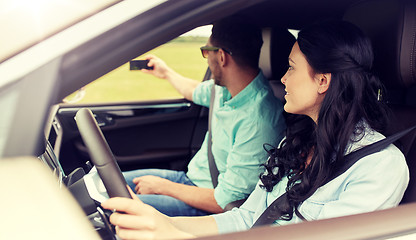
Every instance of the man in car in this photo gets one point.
(245, 116)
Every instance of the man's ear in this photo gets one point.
(323, 81)
(223, 58)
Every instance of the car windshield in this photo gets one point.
(24, 23)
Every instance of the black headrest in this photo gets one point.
(281, 44)
(278, 43)
(391, 26)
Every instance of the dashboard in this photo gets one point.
(84, 182)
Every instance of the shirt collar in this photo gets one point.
(248, 92)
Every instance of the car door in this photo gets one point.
(146, 123)
(152, 134)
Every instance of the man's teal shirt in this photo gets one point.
(240, 127)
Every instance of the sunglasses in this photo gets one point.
(206, 49)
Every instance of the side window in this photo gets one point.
(122, 84)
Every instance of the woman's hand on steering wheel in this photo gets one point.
(136, 220)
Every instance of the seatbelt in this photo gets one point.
(269, 216)
(211, 161)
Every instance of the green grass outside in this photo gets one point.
(122, 84)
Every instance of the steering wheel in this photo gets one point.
(101, 155)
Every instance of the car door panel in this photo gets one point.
(152, 134)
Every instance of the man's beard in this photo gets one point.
(218, 81)
(217, 75)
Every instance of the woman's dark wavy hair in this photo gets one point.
(341, 49)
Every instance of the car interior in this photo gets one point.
(167, 133)
(390, 29)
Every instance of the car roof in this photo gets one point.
(296, 14)
(25, 23)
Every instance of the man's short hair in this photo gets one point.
(240, 37)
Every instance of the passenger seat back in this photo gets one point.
(391, 26)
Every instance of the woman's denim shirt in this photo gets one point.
(375, 182)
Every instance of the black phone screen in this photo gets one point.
(139, 64)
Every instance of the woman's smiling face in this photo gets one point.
(302, 86)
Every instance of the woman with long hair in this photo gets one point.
(334, 105)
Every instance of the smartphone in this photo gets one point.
(139, 64)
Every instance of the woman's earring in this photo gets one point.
(379, 95)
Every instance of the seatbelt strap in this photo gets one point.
(269, 216)
(353, 157)
(211, 161)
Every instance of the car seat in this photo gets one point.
(277, 44)
(391, 26)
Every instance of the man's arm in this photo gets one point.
(185, 86)
(201, 198)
